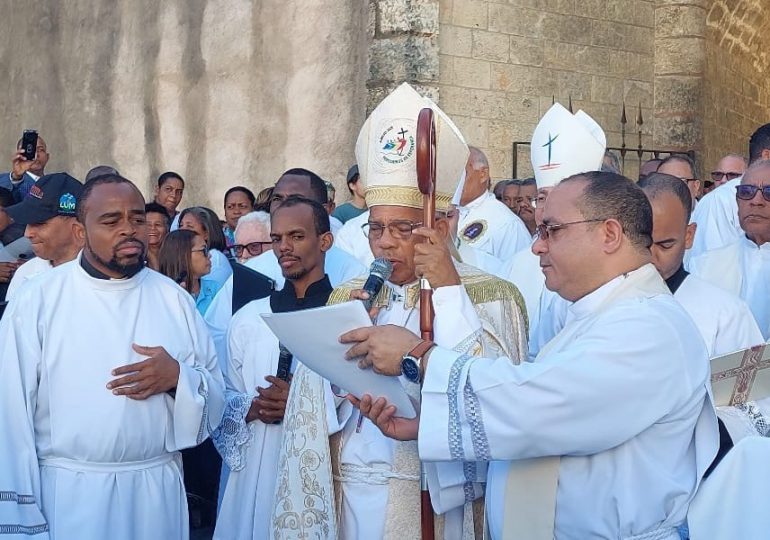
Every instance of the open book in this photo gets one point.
(741, 376)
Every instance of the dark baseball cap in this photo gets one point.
(52, 195)
(352, 172)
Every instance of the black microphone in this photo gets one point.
(284, 363)
(379, 273)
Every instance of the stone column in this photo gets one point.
(403, 48)
(680, 29)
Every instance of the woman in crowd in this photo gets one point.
(184, 257)
(239, 201)
(157, 229)
(168, 194)
(205, 223)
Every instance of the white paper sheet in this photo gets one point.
(312, 335)
(18, 249)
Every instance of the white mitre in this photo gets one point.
(564, 144)
(386, 152)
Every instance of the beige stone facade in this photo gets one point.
(234, 91)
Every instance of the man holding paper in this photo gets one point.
(608, 433)
(250, 433)
(371, 479)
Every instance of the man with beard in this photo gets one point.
(48, 214)
(107, 371)
(250, 435)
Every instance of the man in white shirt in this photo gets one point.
(107, 372)
(616, 406)
(50, 216)
(717, 213)
(485, 222)
(743, 266)
(724, 320)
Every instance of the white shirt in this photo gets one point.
(220, 267)
(723, 319)
(351, 238)
(100, 465)
(334, 224)
(742, 268)
(28, 270)
(717, 217)
(621, 394)
(487, 224)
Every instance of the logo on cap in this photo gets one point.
(36, 192)
(397, 147)
(67, 203)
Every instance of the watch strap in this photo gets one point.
(420, 350)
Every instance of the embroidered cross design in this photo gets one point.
(745, 374)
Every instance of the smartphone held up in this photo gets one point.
(29, 144)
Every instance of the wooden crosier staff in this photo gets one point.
(426, 181)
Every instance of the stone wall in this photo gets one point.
(736, 86)
(225, 92)
(503, 61)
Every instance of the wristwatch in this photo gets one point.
(410, 362)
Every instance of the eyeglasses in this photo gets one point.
(544, 231)
(398, 229)
(204, 250)
(717, 176)
(254, 248)
(746, 192)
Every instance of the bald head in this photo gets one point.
(476, 176)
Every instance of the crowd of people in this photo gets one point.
(565, 393)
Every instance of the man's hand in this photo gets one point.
(383, 416)
(156, 375)
(7, 269)
(270, 404)
(433, 261)
(20, 165)
(380, 347)
(360, 294)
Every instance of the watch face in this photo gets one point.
(410, 369)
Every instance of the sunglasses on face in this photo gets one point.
(717, 176)
(747, 192)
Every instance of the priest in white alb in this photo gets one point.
(486, 223)
(608, 433)
(743, 266)
(107, 372)
(371, 480)
(562, 144)
(724, 320)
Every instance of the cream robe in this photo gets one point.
(502, 234)
(741, 268)
(251, 450)
(376, 478)
(621, 394)
(81, 462)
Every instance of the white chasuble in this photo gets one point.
(374, 481)
(620, 397)
(78, 461)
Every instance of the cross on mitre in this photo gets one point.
(741, 376)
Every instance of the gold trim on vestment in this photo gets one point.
(403, 196)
